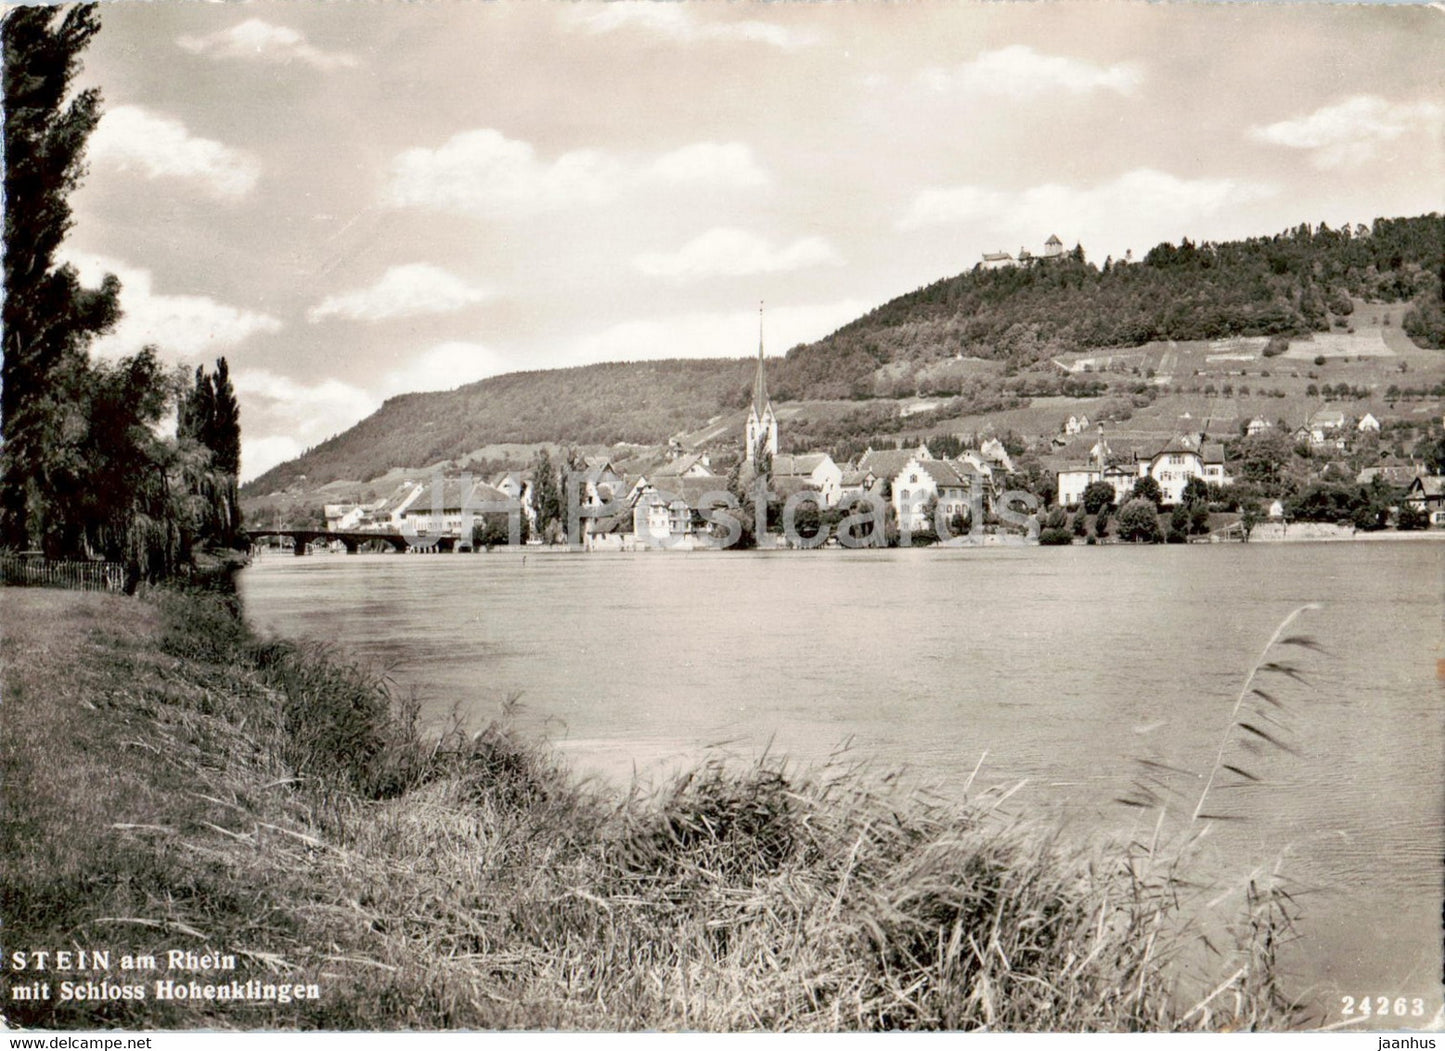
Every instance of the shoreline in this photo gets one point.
(229, 795)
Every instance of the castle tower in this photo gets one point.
(762, 426)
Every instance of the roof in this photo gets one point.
(805, 464)
(689, 490)
(681, 466)
(1053, 240)
(887, 462)
(1395, 474)
(1178, 444)
(1430, 484)
(451, 497)
(1328, 418)
(761, 401)
(945, 475)
(996, 257)
(1212, 452)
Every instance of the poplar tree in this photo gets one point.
(48, 317)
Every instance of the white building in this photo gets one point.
(814, 470)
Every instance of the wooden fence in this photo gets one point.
(83, 576)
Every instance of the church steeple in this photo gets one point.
(761, 401)
(762, 426)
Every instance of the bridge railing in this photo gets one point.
(28, 571)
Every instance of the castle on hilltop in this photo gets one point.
(1053, 249)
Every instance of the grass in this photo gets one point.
(174, 782)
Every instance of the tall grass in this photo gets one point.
(280, 801)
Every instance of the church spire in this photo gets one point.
(760, 381)
(762, 425)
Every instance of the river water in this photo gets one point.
(1056, 668)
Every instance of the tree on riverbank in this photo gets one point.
(84, 473)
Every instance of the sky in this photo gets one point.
(352, 201)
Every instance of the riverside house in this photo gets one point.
(1427, 494)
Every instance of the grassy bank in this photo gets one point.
(173, 783)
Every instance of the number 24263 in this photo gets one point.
(1368, 1007)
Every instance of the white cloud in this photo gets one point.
(713, 335)
(1021, 72)
(730, 163)
(726, 252)
(184, 326)
(259, 455)
(443, 367)
(1134, 209)
(485, 173)
(676, 21)
(264, 42)
(130, 138)
(1350, 133)
(403, 291)
(282, 417)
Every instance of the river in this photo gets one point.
(1048, 670)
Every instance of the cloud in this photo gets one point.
(443, 367)
(1350, 133)
(730, 163)
(485, 173)
(263, 42)
(403, 291)
(130, 138)
(726, 252)
(713, 335)
(259, 455)
(1127, 210)
(281, 417)
(1021, 72)
(674, 21)
(183, 326)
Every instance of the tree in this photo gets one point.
(208, 418)
(1249, 517)
(1147, 488)
(1196, 491)
(1139, 522)
(1080, 523)
(548, 494)
(1411, 518)
(48, 317)
(1101, 524)
(1097, 497)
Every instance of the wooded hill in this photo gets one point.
(1293, 283)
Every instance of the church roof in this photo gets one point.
(761, 400)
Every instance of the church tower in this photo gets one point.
(762, 428)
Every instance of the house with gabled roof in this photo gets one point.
(448, 507)
(922, 480)
(815, 470)
(1427, 493)
(688, 465)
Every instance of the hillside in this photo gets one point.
(978, 343)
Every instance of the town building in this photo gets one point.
(811, 470)
(1427, 493)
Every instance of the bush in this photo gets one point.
(1319, 359)
(1097, 497)
(1148, 489)
(1276, 346)
(1411, 518)
(1139, 522)
(1056, 537)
